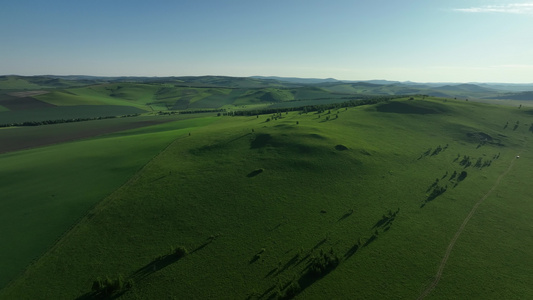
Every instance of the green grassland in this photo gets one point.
(46, 190)
(66, 113)
(24, 137)
(165, 96)
(97, 95)
(351, 203)
(17, 83)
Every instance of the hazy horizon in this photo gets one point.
(281, 77)
(418, 41)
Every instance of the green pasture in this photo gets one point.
(45, 191)
(17, 83)
(166, 96)
(85, 96)
(253, 201)
(300, 103)
(23, 137)
(66, 113)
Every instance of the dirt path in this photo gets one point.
(460, 230)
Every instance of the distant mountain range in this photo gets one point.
(327, 85)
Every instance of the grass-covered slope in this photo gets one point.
(66, 113)
(14, 82)
(360, 202)
(46, 190)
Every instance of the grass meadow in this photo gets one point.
(47, 190)
(350, 203)
(66, 113)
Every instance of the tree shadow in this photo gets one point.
(346, 215)
(316, 269)
(271, 272)
(101, 296)
(155, 265)
(351, 251)
(255, 173)
(260, 141)
(370, 240)
(270, 289)
(319, 244)
(291, 262)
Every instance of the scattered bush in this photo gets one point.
(179, 252)
(292, 291)
(323, 264)
(111, 286)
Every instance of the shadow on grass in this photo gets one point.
(316, 269)
(164, 261)
(95, 295)
(351, 251)
(202, 246)
(255, 173)
(270, 289)
(346, 215)
(271, 272)
(291, 262)
(370, 240)
(383, 222)
(319, 244)
(155, 265)
(260, 141)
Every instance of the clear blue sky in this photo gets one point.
(417, 40)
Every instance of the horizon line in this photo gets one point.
(276, 76)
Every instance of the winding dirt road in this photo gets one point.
(460, 230)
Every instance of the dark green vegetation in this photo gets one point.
(351, 201)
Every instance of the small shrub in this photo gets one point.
(110, 286)
(323, 264)
(292, 291)
(180, 252)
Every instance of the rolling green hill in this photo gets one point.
(47, 190)
(14, 82)
(356, 202)
(515, 96)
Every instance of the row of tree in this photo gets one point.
(59, 121)
(314, 108)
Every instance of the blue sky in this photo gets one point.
(418, 40)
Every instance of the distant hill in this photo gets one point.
(515, 96)
(15, 82)
(195, 92)
(297, 80)
(466, 87)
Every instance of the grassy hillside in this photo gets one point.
(13, 82)
(66, 113)
(359, 202)
(99, 95)
(170, 96)
(46, 190)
